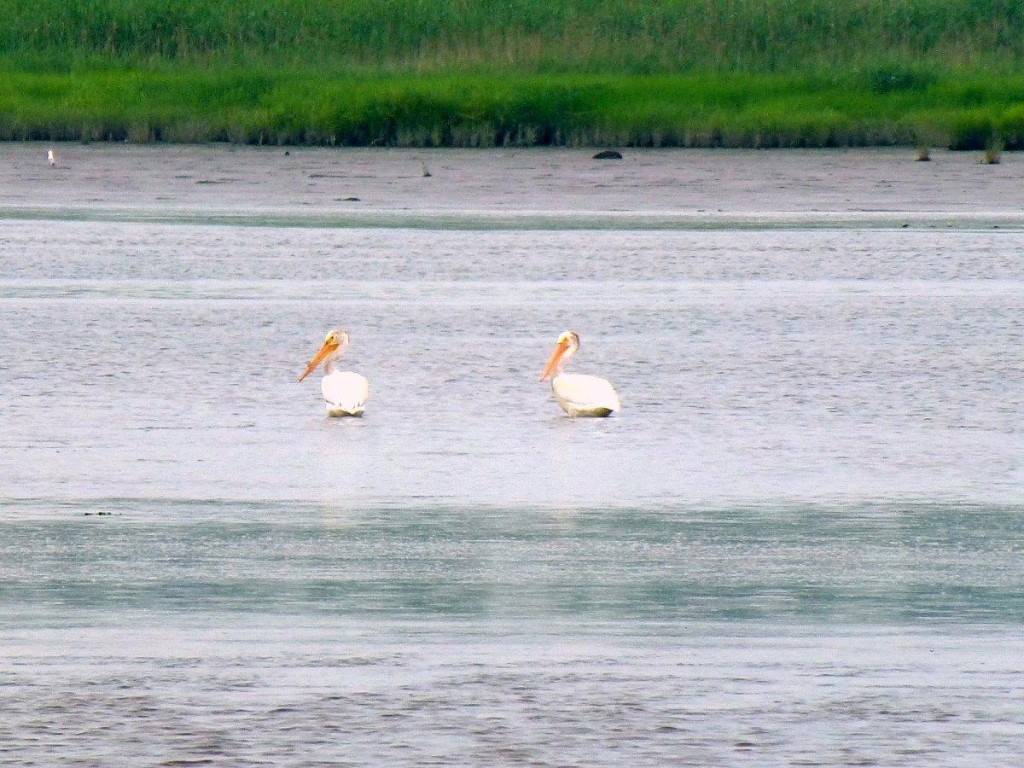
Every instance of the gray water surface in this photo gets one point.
(800, 542)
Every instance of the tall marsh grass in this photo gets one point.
(246, 106)
(595, 36)
(516, 72)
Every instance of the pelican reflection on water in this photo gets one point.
(345, 392)
(578, 394)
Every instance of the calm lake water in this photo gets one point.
(799, 543)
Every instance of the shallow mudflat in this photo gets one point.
(673, 188)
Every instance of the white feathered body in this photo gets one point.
(345, 393)
(582, 395)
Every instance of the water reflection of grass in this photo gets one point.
(519, 72)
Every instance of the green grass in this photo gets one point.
(520, 72)
(486, 110)
(530, 36)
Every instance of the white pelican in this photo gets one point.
(578, 395)
(51, 158)
(345, 392)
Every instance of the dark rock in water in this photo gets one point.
(608, 154)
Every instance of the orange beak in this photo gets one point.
(325, 350)
(553, 360)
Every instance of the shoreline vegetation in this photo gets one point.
(481, 73)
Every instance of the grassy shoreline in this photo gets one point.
(677, 73)
(293, 108)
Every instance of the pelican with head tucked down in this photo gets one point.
(345, 392)
(578, 395)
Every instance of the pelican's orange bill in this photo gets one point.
(553, 360)
(325, 350)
